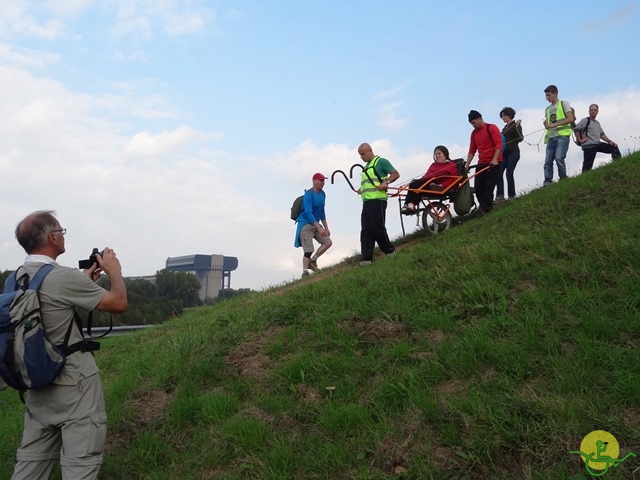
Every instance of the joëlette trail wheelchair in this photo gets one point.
(437, 201)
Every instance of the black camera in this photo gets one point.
(85, 264)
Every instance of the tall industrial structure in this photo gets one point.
(212, 271)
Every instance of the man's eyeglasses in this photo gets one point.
(63, 231)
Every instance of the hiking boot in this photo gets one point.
(365, 262)
(313, 265)
(499, 199)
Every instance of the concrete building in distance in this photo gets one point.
(213, 271)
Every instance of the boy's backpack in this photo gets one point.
(296, 208)
(573, 110)
(28, 359)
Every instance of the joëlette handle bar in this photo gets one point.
(345, 177)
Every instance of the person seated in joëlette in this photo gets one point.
(441, 167)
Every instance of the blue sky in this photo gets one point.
(164, 128)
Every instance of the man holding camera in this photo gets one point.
(66, 422)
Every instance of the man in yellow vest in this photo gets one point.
(377, 174)
(558, 120)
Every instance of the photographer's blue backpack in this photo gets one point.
(28, 359)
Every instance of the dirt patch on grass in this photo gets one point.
(393, 453)
(414, 438)
(434, 337)
(452, 387)
(308, 394)
(150, 406)
(249, 358)
(630, 416)
(258, 414)
(487, 375)
(523, 286)
(379, 330)
(147, 408)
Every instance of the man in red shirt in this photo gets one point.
(486, 139)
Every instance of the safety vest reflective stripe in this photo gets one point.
(368, 188)
(563, 130)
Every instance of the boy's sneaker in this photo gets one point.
(305, 273)
(498, 199)
(365, 262)
(390, 254)
(313, 265)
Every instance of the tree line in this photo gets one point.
(152, 303)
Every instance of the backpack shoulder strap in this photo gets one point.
(489, 133)
(14, 282)
(10, 284)
(38, 278)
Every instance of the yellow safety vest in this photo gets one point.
(563, 130)
(368, 188)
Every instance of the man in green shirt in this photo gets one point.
(377, 174)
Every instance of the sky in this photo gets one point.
(163, 128)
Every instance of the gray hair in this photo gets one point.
(33, 230)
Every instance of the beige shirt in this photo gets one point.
(63, 290)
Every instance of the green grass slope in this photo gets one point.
(487, 352)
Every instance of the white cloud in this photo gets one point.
(67, 8)
(163, 143)
(137, 19)
(186, 23)
(26, 58)
(389, 116)
(382, 94)
(20, 18)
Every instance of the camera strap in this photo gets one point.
(84, 345)
(90, 320)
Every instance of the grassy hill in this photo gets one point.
(487, 352)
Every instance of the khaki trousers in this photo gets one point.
(64, 424)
